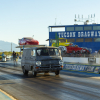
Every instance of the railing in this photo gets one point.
(79, 55)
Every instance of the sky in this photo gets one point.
(25, 18)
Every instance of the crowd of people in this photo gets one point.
(75, 55)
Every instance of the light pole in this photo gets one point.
(11, 46)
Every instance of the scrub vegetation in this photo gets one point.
(8, 53)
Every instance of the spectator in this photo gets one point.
(14, 57)
(96, 53)
(17, 56)
(99, 52)
(2, 54)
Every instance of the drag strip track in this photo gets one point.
(49, 86)
(12, 68)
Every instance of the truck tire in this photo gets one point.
(34, 73)
(57, 72)
(25, 72)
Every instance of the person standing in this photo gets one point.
(3, 56)
(14, 57)
(17, 56)
(96, 53)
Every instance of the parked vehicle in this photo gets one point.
(4, 58)
(62, 42)
(28, 41)
(8, 57)
(41, 59)
(75, 49)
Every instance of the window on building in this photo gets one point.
(87, 27)
(62, 40)
(56, 29)
(79, 39)
(69, 28)
(70, 40)
(53, 41)
(96, 39)
(96, 27)
(88, 39)
(78, 28)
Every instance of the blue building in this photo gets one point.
(82, 35)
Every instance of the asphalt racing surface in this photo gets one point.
(66, 86)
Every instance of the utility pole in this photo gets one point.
(55, 21)
(11, 46)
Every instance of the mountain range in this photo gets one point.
(6, 46)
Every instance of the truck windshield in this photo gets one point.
(48, 52)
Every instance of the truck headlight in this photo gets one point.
(61, 62)
(38, 63)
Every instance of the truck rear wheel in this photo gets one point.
(25, 72)
(57, 72)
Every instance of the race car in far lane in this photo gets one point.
(28, 41)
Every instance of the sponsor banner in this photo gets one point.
(86, 68)
(75, 67)
(90, 68)
(97, 70)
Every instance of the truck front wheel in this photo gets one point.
(57, 72)
(34, 73)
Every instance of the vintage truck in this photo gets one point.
(41, 59)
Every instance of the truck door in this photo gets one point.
(27, 59)
(33, 58)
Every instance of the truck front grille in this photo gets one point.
(50, 66)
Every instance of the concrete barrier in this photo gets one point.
(82, 64)
(79, 60)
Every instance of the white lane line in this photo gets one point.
(8, 95)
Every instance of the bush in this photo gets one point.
(0, 57)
